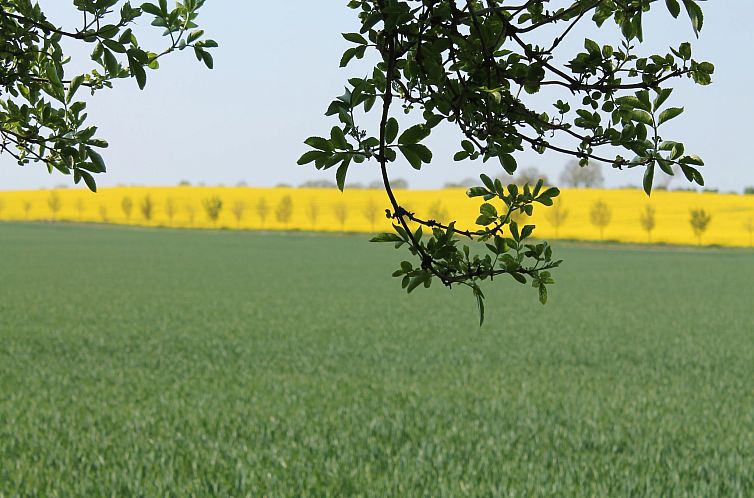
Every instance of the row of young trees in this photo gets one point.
(212, 207)
(600, 215)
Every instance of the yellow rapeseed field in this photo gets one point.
(356, 210)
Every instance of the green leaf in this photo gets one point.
(695, 14)
(673, 7)
(355, 38)
(340, 174)
(642, 117)
(508, 162)
(310, 156)
(479, 303)
(414, 135)
(150, 8)
(386, 237)
(542, 294)
(89, 180)
(662, 96)
(137, 70)
(488, 210)
(111, 63)
(649, 176)
(319, 143)
(337, 138)
(97, 160)
(391, 130)
(669, 114)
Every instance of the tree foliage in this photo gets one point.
(648, 221)
(42, 115)
(471, 65)
(576, 174)
(600, 216)
(699, 221)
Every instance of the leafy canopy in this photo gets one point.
(472, 64)
(42, 117)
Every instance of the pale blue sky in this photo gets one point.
(277, 69)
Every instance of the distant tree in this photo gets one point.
(127, 205)
(212, 207)
(80, 208)
(284, 210)
(699, 221)
(398, 183)
(147, 208)
(190, 213)
(103, 213)
(263, 209)
(341, 214)
(648, 221)
(55, 203)
(438, 212)
(465, 183)
(27, 208)
(241, 183)
(589, 176)
(531, 176)
(370, 212)
(557, 216)
(170, 209)
(318, 184)
(238, 210)
(184, 183)
(313, 213)
(748, 190)
(600, 216)
(749, 227)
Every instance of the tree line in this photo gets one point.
(144, 209)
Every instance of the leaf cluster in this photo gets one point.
(471, 65)
(42, 117)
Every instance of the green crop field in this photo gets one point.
(180, 363)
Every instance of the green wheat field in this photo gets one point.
(159, 363)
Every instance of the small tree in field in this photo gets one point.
(263, 210)
(170, 209)
(749, 227)
(147, 208)
(438, 212)
(212, 207)
(238, 210)
(127, 205)
(27, 208)
(600, 216)
(647, 221)
(557, 216)
(313, 213)
(190, 213)
(55, 203)
(340, 210)
(699, 221)
(371, 212)
(80, 208)
(284, 210)
(103, 213)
